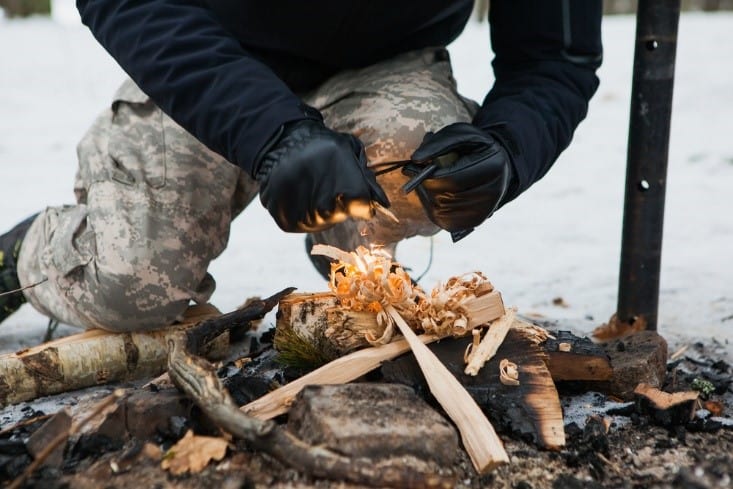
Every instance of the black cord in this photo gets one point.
(430, 260)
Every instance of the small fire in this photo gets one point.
(369, 280)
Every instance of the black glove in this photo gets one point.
(462, 194)
(312, 178)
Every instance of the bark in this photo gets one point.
(91, 358)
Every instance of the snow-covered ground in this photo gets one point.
(560, 239)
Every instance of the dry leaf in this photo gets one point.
(192, 453)
(616, 329)
(151, 451)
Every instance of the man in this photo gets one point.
(326, 108)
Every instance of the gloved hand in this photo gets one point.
(459, 196)
(312, 178)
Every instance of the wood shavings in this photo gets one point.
(445, 312)
(365, 280)
(476, 333)
(369, 281)
(508, 372)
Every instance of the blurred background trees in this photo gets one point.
(24, 8)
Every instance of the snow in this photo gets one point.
(560, 239)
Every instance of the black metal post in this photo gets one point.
(646, 171)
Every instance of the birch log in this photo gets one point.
(91, 358)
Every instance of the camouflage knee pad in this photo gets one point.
(390, 106)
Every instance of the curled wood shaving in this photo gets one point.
(508, 372)
(535, 334)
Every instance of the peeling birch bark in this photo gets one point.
(93, 357)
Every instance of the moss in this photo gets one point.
(296, 351)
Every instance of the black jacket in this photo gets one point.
(228, 70)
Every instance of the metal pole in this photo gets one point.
(646, 170)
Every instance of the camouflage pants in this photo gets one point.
(154, 205)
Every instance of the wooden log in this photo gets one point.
(478, 436)
(531, 410)
(93, 357)
(334, 331)
(571, 358)
(312, 329)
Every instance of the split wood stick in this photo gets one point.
(340, 371)
(491, 342)
(91, 358)
(479, 438)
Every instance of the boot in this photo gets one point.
(10, 298)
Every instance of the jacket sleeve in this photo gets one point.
(196, 71)
(547, 52)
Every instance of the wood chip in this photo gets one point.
(491, 342)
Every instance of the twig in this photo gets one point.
(479, 438)
(21, 289)
(113, 398)
(197, 378)
(23, 423)
(681, 351)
